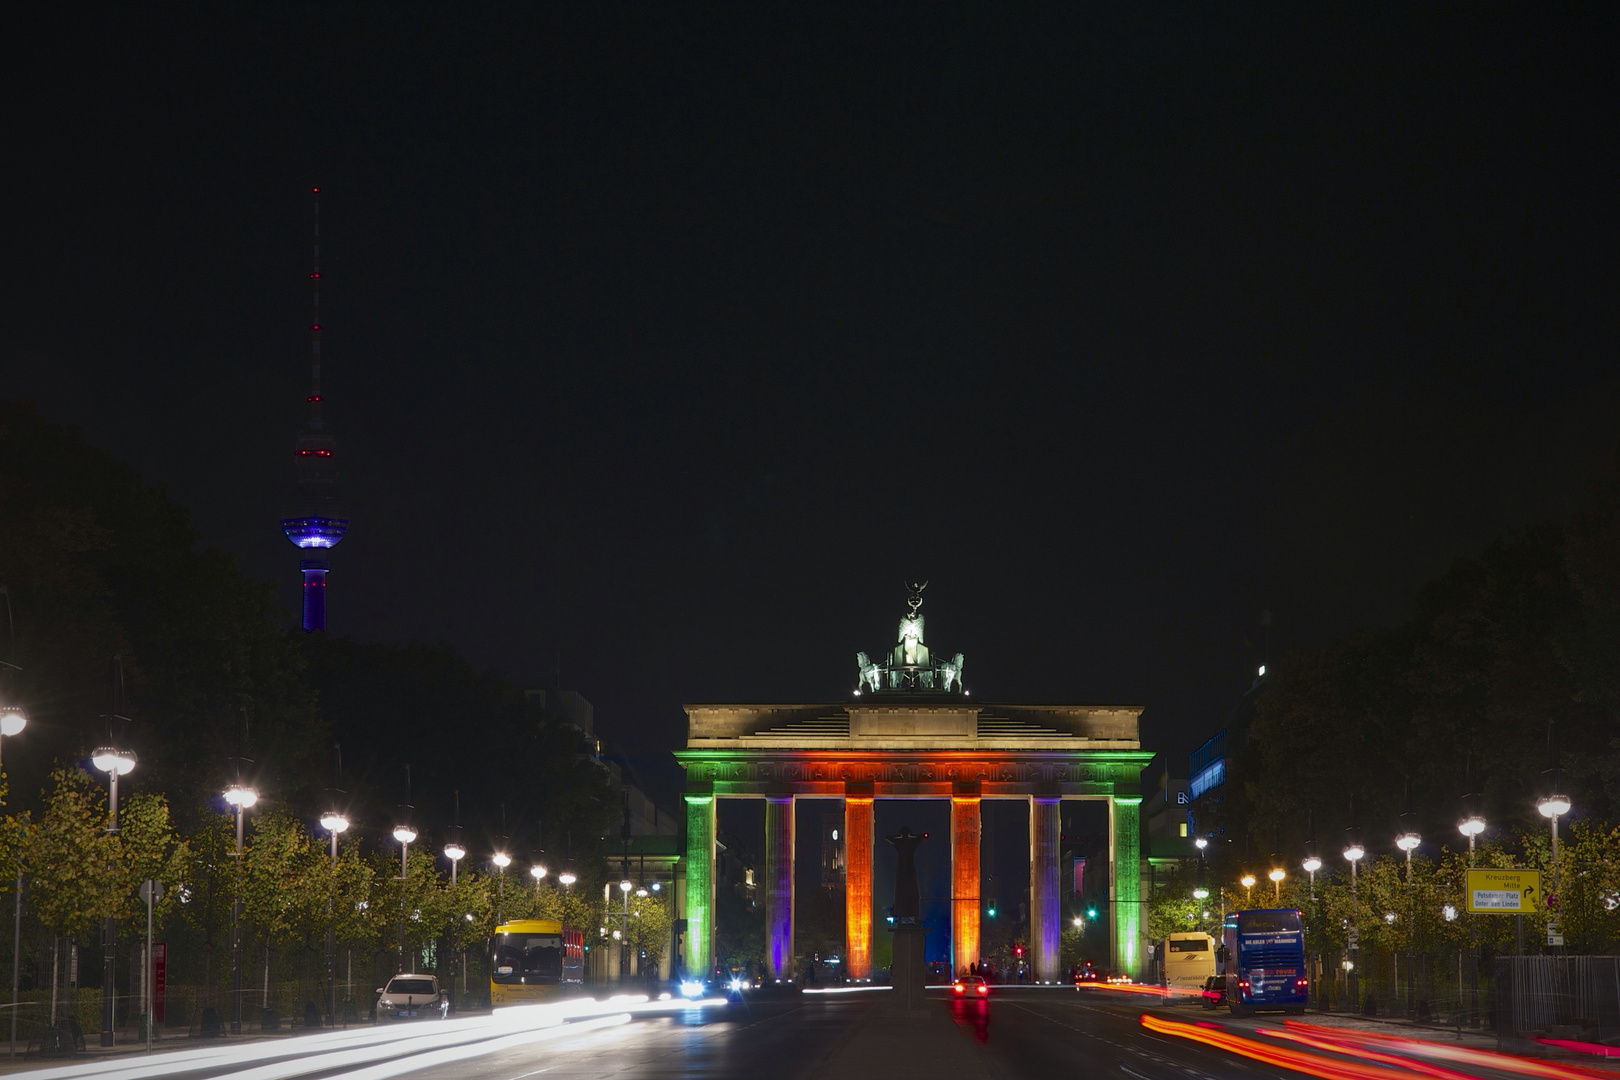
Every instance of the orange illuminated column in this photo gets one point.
(858, 880)
(965, 876)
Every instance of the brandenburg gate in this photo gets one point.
(913, 731)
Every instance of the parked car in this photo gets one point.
(412, 997)
(1213, 994)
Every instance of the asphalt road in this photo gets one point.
(1045, 1033)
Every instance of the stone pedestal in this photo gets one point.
(908, 973)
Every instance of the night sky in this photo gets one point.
(670, 340)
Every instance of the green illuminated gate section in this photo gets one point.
(699, 881)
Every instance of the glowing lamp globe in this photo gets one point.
(656, 886)
(1408, 841)
(12, 720)
(241, 797)
(1471, 827)
(1355, 852)
(1312, 864)
(334, 822)
(110, 759)
(1554, 806)
(454, 851)
(567, 877)
(404, 834)
(538, 871)
(1201, 843)
(1199, 893)
(501, 860)
(1277, 874)
(314, 532)
(626, 885)
(1247, 881)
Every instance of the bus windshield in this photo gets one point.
(528, 958)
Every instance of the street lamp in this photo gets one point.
(115, 763)
(336, 824)
(405, 834)
(501, 860)
(1247, 881)
(1553, 806)
(455, 852)
(1354, 851)
(567, 877)
(1277, 874)
(239, 797)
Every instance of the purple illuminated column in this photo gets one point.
(314, 593)
(1045, 923)
(779, 885)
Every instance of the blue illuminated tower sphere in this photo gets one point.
(315, 524)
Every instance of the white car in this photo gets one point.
(411, 997)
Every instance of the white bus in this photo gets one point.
(1189, 959)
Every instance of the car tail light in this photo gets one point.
(959, 988)
(984, 989)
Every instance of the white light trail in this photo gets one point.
(405, 1046)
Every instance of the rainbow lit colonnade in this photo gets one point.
(943, 749)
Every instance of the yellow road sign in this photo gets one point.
(1504, 892)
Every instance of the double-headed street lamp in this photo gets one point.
(240, 797)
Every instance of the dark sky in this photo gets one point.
(673, 338)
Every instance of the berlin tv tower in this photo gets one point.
(315, 525)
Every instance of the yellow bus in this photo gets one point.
(534, 960)
(1189, 959)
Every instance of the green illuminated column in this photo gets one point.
(699, 883)
(1127, 884)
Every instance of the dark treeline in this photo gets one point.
(97, 562)
(1526, 634)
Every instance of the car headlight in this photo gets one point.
(386, 1003)
(691, 989)
(736, 984)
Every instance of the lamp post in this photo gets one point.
(239, 797)
(625, 886)
(405, 834)
(115, 763)
(12, 720)
(501, 860)
(1277, 874)
(336, 824)
(1553, 805)
(1354, 851)
(1247, 881)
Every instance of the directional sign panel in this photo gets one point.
(1504, 892)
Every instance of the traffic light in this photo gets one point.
(1018, 950)
(1091, 912)
(991, 910)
